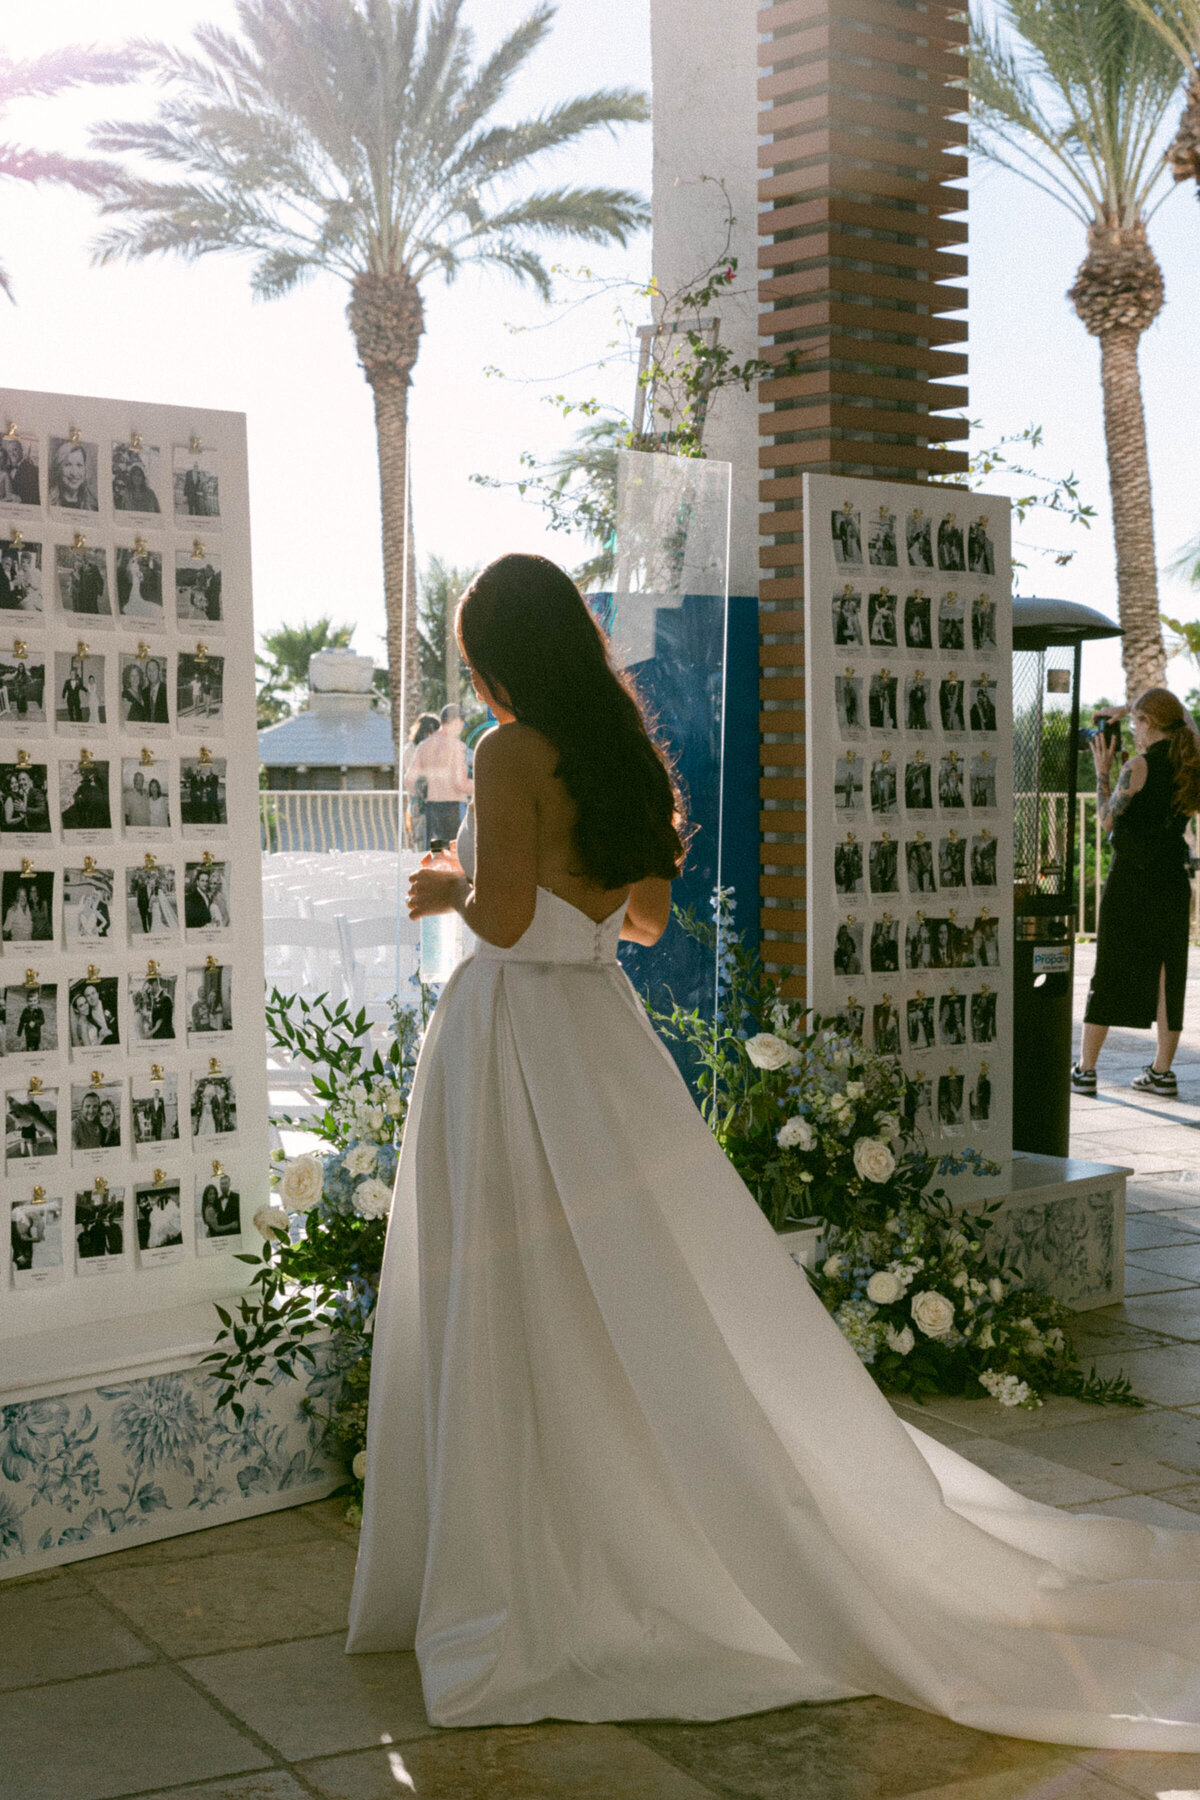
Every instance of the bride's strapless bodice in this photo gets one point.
(558, 931)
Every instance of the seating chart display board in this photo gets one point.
(132, 1075)
(908, 660)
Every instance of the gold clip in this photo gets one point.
(35, 1084)
(953, 835)
(207, 859)
(149, 861)
(919, 994)
(885, 756)
(885, 837)
(135, 440)
(97, 1078)
(952, 1070)
(146, 760)
(205, 756)
(953, 758)
(885, 918)
(39, 1193)
(86, 759)
(20, 647)
(82, 649)
(27, 868)
(884, 673)
(156, 1072)
(143, 651)
(152, 970)
(198, 551)
(194, 443)
(852, 756)
(13, 429)
(201, 653)
(953, 992)
(211, 965)
(984, 913)
(139, 545)
(918, 756)
(74, 435)
(218, 1167)
(984, 756)
(920, 837)
(32, 978)
(852, 918)
(78, 541)
(951, 594)
(22, 759)
(850, 1000)
(952, 915)
(917, 514)
(16, 537)
(93, 973)
(214, 1065)
(89, 865)
(952, 675)
(160, 1175)
(884, 513)
(100, 1186)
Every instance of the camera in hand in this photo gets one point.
(1105, 728)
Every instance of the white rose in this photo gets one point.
(358, 1092)
(933, 1314)
(832, 1266)
(372, 1198)
(855, 1090)
(301, 1183)
(961, 1279)
(887, 1125)
(358, 1467)
(873, 1160)
(374, 1116)
(766, 1051)
(271, 1221)
(884, 1288)
(900, 1341)
(360, 1159)
(393, 1105)
(795, 1134)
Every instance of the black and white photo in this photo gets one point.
(27, 906)
(883, 787)
(95, 1117)
(950, 1101)
(158, 1222)
(87, 905)
(952, 861)
(983, 860)
(848, 703)
(145, 696)
(145, 796)
(154, 1099)
(885, 946)
(94, 1014)
(139, 585)
(918, 784)
(152, 1008)
(83, 795)
(74, 475)
(22, 688)
(196, 483)
(981, 555)
(202, 791)
(920, 1022)
(918, 629)
(848, 783)
(881, 619)
(30, 1019)
(848, 867)
(214, 1106)
(21, 577)
(884, 865)
(950, 544)
(218, 1212)
(950, 784)
(983, 623)
(918, 943)
(198, 589)
(885, 1028)
(918, 860)
(952, 1019)
(137, 479)
(941, 943)
(80, 701)
(24, 801)
(850, 1019)
(846, 529)
(20, 470)
(951, 629)
(209, 991)
(987, 942)
(847, 617)
(35, 1235)
(206, 906)
(199, 690)
(983, 704)
(950, 701)
(99, 1229)
(30, 1125)
(983, 782)
(918, 539)
(917, 697)
(848, 948)
(82, 577)
(151, 908)
(881, 539)
(983, 1017)
(882, 702)
(980, 1101)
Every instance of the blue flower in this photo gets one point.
(11, 1541)
(158, 1423)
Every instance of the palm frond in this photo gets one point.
(40, 76)
(503, 147)
(517, 260)
(88, 175)
(1177, 22)
(597, 215)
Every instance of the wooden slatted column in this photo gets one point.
(859, 143)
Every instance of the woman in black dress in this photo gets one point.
(1142, 937)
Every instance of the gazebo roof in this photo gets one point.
(321, 738)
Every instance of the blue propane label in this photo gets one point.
(1052, 959)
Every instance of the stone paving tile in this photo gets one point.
(1161, 1196)
(223, 1602)
(929, 1422)
(1051, 1483)
(1146, 1772)
(868, 1749)
(267, 1784)
(1070, 1783)
(1151, 1231)
(1167, 1374)
(1101, 1333)
(53, 1631)
(1146, 1509)
(310, 1699)
(330, 1515)
(539, 1762)
(277, 1530)
(989, 1419)
(1140, 1281)
(125, 1733)
(1174, 1315)
(1142, 1452)
(1180, 1260)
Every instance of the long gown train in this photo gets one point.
(622, 1463)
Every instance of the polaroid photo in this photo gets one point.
(918, 627)
(923, 1098)
(154, 1103)
(983, 1017)
(885, 946)
(35, 1232)
(145, 797)
(881, 539)
(203, 795)
(31, 1020)
(198, 589)
(845, 528)
(847, 699)
(87, 905)
(140, 586)
(158, 1222)
(951, 629)
(196, 483)
(950, 1103)
(983, 624)
(74, 484)
(884, 801)
(83, 798)
(950, 555)
(981, 552)
(848, 783)
(986, 942)
(151, 1009)
(26, 908)
(847, 617)
(951, 699)
(214, 1105)
(983, 782)
(885, 1028)
(137, 479)
(918, 862)
(206, 908)
(881, 702)
(82, 577)
(983, 860)
(943, 936)
(145, 697)
(979, 1101)
(848, 867)
(952, 861)
(24, 800)
(918, 539)
(951, 797)
(200, 692)
(918, 698)
(100, 1229)
(918, 943)
(883, 862)
(21, 581)
(919, 1022)
(22, 690)
(952, 1019)
(208, 994)
(30, 1124)
(151, 907)
(881, 620)
(20, 471)
(96, 1109)
(850, 1017)
(93, 1015)
(918, 784)
(983, 704)
(218, 1212)
(848, 948)
(80, 701)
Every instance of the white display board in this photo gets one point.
(908, 696)
(132, 1068)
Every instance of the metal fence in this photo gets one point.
(1092, 853)
(295, 819)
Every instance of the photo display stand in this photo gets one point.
(132, 1074)
(908, 667)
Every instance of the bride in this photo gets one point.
(622, 1463)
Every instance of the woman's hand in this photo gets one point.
(436, 887)
(1103, 752)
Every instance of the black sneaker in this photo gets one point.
(1151, 1082)
(1083, 1081)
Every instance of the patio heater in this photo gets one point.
(1048, 639)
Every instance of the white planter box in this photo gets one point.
(1063, 1224)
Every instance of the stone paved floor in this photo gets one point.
(210, 1667)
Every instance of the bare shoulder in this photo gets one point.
(1134, 773)
(517, 751)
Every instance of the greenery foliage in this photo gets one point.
(282, 664)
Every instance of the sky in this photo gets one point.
(190, 334)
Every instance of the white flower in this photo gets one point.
(933, 1314)
(357, 1093)
(374, 1116)
(996, 1288)
(961, 1279)
(832, 1266)
(855, 1090)
(360, 1159)
(895, 1225)
(884, 1288)
(766, 1051)
(795, 1134)
(781, 1015)
(301, 1183)
(987, 1338)
(358, 1467)
(271, 1221)
(1008, 1389)
(372, 1198)
(900, 1341)
(393, 1104)
(873, 1160)
(978, 1287)
(887, 1125)
(806, 1175)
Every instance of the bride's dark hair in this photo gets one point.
(527, 633)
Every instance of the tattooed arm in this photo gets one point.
(1131, 781)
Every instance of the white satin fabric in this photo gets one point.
(622, 1463)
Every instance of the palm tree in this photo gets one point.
(284, 668)
(358, 137)
(40, 78)
(1072, 96)
(1178, 23)
(442, 669)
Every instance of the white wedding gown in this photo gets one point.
(622, 1463)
